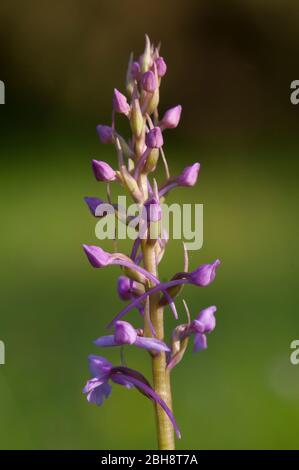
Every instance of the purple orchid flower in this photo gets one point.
(103, 171)
(204, 323)
(98, 388)
(171, 118)
(139, 285)
(120, 103)
(187, 178)
(125, 333)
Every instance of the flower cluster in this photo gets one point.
(139, 283)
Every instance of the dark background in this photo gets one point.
(230, 65)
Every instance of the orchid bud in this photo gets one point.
(135, 70)
(204, 275)
(106, 134)
(93, 203)
(161, 66)
(149, 81)
(97, 257)
(154, 138)
(189, 175)
(171, 118)
(124, 333)
(103, 171)
(120, 103)
(136, 118)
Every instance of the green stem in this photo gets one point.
(161, 377)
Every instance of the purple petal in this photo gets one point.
(207, 318)
(125, 333)
(92, 384)
(105, 341)
(93, 203)
(99, 366)
(151, 343)
(97, 257)
(200, 342)
(98, 394)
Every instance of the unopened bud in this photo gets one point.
(161, 66)
(151, 161)
(145, 59)
(131, 184)
(120, 103)
(136, 118)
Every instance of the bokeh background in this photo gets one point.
(230, 65)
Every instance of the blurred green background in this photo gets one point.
(230, 65)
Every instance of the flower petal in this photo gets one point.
(151, 343)
(98, 394)
(99, 366)
(200, 342)
(105, 341)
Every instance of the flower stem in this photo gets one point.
(161, 376)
